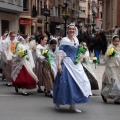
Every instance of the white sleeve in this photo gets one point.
(38, 54)
(87, 55)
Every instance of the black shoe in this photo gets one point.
(117, 102)
(16, 89)
(25, 94)
(48, 94)
(8, 84)
(39, 91)
(104, 99)
(44, 90)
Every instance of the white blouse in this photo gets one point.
(38, 51)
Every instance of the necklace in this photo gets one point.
(72, 40)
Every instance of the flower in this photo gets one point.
(81, 51)
(22, 53)
(111, 52)
(47, 55)
(46, 22)
(65, 16)
(95, 60)
(43, 52)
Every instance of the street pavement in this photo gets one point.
(38, 107)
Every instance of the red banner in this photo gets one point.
(25, 22)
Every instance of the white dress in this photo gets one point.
(54, 62)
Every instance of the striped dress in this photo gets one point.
(43, 70)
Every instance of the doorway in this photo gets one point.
(5, 25)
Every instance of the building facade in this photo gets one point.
(9, 15)
(90, 15)
(111, 14)
(47, 15)
(31, 19)
(85, 13)
(58, 8)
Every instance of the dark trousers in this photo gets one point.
(97, 54)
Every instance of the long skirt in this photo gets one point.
(24, 79)
(45, 74)
(93, 81)
(1, 64)
(7, 69)
(66, 91)
(110, 87)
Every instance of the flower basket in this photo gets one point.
(47, 22)
(66, 16)
(93, 24)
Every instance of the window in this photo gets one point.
(51, 11)
(83, 9)
(2, 0)
(19, 2)
(10, 1)
(42, 7)
(56, 11)
(4, 25)
(101, 15)
(38, 7)
(89, 6)
(25, 5)
(83, 0)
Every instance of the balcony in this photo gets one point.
(11, 5)
(56, 19)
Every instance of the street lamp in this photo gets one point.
(46, 14)
(78, 21)
(87, 26)
(78, 18)
(65, 15)
(93, 23)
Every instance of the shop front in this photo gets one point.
(25, 26)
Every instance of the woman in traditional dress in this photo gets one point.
(8, 48)
(53, 49)
(33, 46)
(88, 70)
(111, 76)
(1, 53)
(47, 34)
(22, 73)
(29, 49)
(43, 70)
(71, 85)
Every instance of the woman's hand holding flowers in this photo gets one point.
(80, 57)
(84, 59)
(111, 52)
(59, 68)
